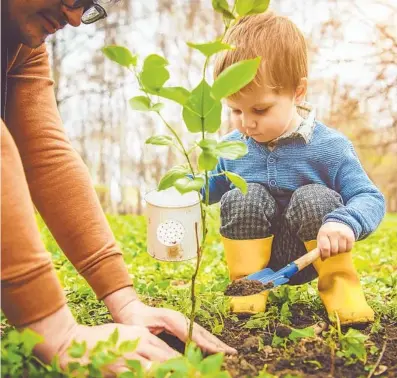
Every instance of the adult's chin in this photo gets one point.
(32, 37)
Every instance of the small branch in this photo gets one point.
(371, 373)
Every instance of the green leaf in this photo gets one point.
(243, 7)
(136, 368)
(297, 334)
(128, 346)
(176, 365)
(77, 350)
(260, 6)
(114, 337)
(221, 6)
(120, 55)
(154, 78)
(172, 175)
(353, 343)
(231, 149)
(211, 364)
(235, 77)
(207, 161)
(177, 94)
(29, 339)
(210, 48)
(157, 107)
(160, 140)
(238, 181)
(140, 103)
(187, 184)
(201, 110)
(194, 355)
(153, 61)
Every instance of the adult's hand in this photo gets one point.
(126, 308)
(60, 329)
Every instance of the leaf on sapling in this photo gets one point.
(245, 7)
(201, 110)
(154, 74)
(207, 161)
(210, 48)
(157, 107)
(187, 184)
(238, 181)
(177, 365)
(194, 355)
(140, 103)
(208, 158)
(211, 364)
(120, 55)
(235, 77)
(114, 337)
(260, 6)
(179, 95)
(160, 140)
(231, 149)
(172, 175)
(221, 6)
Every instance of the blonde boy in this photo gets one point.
(306, 186)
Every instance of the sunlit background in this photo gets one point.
(352, 83)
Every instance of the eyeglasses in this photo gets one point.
(93, 9)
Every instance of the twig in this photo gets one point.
(371, 373)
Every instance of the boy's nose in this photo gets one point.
(73, 16)
(249, 123)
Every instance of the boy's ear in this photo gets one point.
(300, 91)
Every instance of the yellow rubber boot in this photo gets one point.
(340, 289)
(244, 257)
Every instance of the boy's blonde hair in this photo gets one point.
(277, 40)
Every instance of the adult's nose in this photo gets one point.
(73, 16)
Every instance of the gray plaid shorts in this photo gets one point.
(257, 215)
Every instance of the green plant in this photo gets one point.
(201, 113)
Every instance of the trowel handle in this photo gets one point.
(307, 259)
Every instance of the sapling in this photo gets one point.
(201, 113)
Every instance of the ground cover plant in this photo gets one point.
(292, 339)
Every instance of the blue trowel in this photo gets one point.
(269, 277)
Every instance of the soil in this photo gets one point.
(309, 358)
(246, 287)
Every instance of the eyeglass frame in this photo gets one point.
(98, 8)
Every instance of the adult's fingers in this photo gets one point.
(177, 324)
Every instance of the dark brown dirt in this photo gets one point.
(246, 287)
(308, 358)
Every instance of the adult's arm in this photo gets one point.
(58, 180)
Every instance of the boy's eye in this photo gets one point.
(261, 111)
(236, 111)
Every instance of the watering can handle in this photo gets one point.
(307, 259)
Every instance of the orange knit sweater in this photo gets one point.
(39, 164)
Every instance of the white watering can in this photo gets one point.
(171, 224)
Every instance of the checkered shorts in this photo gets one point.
(256, 215)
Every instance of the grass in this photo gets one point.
(167, 284)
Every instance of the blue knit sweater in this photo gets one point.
(328, 159)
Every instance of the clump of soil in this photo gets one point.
(244, 287)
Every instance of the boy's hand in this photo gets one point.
(334, 238)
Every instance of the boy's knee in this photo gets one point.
(247, 216)
(307, 208)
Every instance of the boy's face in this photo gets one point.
(263, 114)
